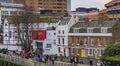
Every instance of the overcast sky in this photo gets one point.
(88, 3)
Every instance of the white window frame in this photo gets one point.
(89, 52)
(104, 30)
(76, 30)
(90, 30)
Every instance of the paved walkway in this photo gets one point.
(82, 65)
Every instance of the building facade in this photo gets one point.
(112, 10)
(62, 30)
(90, 38)
(54, 6)
(8, 9)
(46, 42)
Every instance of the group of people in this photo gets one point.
(47, 59)
(74, 61)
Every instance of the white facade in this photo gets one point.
(8, 9)
(50, 46)
(10, 38)
(62, 34)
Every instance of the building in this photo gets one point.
(62, 30)
(83, 12)
(18, 1)
(89, 38)
(112, 10)
(40, 37)
(44, 41)
(8, 9)
(54, 6)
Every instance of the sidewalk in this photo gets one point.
(82, 65)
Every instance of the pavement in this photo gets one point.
(82, 65)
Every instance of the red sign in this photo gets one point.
(39, 34)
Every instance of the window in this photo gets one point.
(48, 46)
(15, 37)
(90, 30)
(6, 24)
(72, 50)
(99, 42)
(78, 51)
(5, 35)
(90, 52)
(104, 30)
(62, 40)
(85, 41)
(58, 40)
(54, 42)
(92, 42)
(59, 49)
(63, 31)
(10, 34)
(59, 32)
(76, 30)
(54, 33)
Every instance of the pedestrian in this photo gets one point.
(71, 61)
(75, 59)
(37, 58)
(53, 60)
(46, 58)
(56, 58)
(91, 63)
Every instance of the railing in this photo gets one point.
(58, 63)
(17, 59)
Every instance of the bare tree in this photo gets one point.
(24, 24)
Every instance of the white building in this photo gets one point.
(10, 40)
(7, 9)
(46, 46)
(62, 34)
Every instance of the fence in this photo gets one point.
(58, 63)
(30, 62)
(17, 59)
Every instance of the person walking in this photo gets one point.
(75, 59)
(91, 63)
(36, 60)
(71, 61)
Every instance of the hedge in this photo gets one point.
(114, 60)
(7, 63)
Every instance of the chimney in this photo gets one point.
(86, 21)
(100, 20)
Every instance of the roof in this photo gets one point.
(112, 2)
(64, 20)
(96, 16)
(95, 24)
(103, 10)
(11, 5)
(114, 8)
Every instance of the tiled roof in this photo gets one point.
(114, 7)
(92, 16)
(95, 24)
(112, 2)
(103, 10)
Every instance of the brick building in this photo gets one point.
(89, 38)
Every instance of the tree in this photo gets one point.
(24, 25)
(112, 50)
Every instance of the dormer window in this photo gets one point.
(103, 30)
(76, 30)
(90, 30)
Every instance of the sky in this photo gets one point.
(88, 3)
